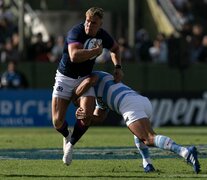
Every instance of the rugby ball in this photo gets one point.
(92, 43)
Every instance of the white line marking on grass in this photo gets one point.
(92, 153)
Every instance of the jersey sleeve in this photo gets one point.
(72, 36)
(76, 34)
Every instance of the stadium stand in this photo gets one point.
(171, 13)
(162, 21)
(161, 11)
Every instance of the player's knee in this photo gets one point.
(57, 122)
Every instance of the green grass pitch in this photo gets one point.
(102, 153)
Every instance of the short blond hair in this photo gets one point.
(95, 11)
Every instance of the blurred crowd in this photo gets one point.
(188, 48)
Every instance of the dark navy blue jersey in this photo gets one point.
(77, 35)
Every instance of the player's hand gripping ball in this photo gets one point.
(92, 43)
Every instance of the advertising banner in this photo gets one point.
(179, 108)
(33, 108)
(28, 108)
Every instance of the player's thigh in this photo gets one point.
(59, 108)
(142, 129)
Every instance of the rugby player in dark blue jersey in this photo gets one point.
(84, 42)
(136, 111)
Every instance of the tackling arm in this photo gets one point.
(83, 87)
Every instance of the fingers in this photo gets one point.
(99, 48)
(80, 113)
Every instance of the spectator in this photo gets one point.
(155, 51)
(196, 42)
(48, 47)
(203, 53)
(12, 78)
(143, 43)
(159, 50)
(15, 40)
(37, 50)
(9, 52)
(125, 51)
(178, 51)
(57, 49)
(0, 80)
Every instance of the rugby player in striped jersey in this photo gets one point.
(136, 111)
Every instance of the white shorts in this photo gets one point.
(64, 86)
(134, 107)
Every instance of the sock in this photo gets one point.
(78, 131)
(144, 151)
(166, 143)
(64, 129)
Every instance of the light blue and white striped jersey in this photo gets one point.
(109, 93)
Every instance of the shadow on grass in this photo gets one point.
(155, 175)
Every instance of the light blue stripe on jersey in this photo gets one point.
(120, 99)
(108, 84)
(115, 94)
(101, 75)
(112, 93)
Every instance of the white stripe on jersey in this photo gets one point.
(117, 99)
(102, 85)
(112, 93)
